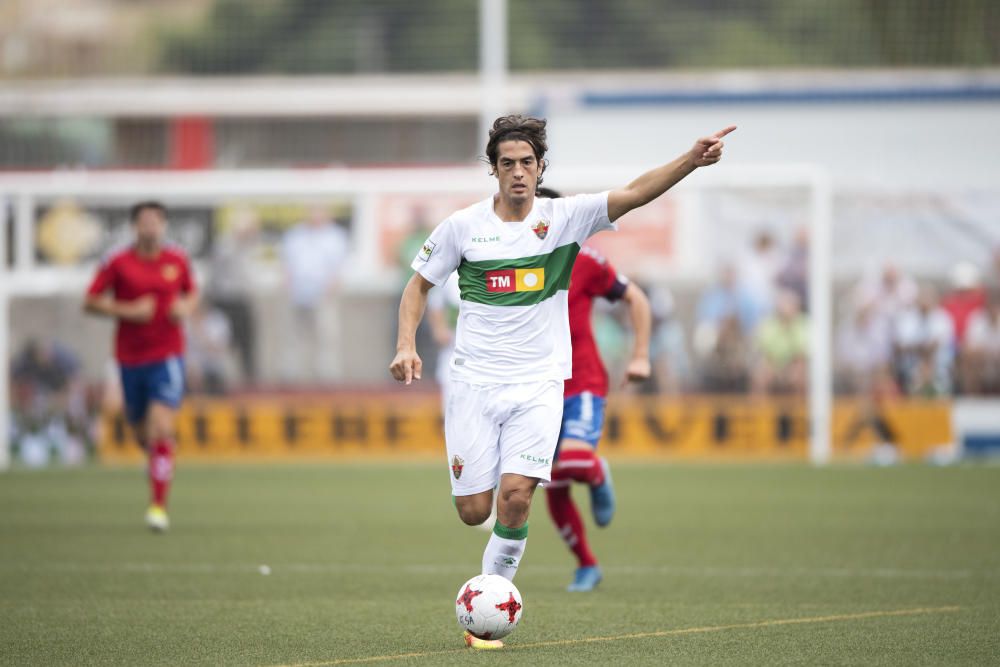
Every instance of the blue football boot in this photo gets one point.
(602, 498)
(585, 579)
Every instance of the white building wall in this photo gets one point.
(891, 145)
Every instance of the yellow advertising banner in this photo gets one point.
(407, 426)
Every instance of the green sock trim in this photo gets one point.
(503, 531)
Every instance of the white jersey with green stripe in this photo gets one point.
(513, 321)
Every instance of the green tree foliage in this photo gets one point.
(346, 36)
(320, 36)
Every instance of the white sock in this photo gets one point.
(504, 550)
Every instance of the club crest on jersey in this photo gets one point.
(457, 463)
(170, 272)
(541, 229)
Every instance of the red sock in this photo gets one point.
(579, 465)
(161, 470)
(569, 524)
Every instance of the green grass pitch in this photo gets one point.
(704, 564)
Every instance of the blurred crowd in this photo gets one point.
(905, 337)
(54, 405)
(748, 329)
(50, 406)
(746, 332)
(223, 337)
(894, 335)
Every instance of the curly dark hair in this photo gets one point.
(516, 127)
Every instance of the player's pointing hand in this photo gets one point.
(708, 150)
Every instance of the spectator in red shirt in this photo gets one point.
(148, 288)
(980, 358)
(967, 296)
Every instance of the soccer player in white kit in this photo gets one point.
(514, 255)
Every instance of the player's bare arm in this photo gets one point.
(639, 367)
(182, 307)
(139, 310)
(706, 151)
(407, 365)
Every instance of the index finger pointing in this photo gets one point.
(722, 133)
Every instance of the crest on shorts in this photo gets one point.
(457, 463)
(541, 229)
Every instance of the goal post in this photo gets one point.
(5, 421)
(815, 203)
(715, 203)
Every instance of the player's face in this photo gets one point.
(150, 227)
(517, 171)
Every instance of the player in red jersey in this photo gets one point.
(147, 287)
(583, 404)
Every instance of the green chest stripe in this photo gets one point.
(523, 281)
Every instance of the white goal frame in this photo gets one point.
(19, 192)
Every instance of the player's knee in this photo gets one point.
(473, 510)
(515, 503)
(160, 430)
(472, 515)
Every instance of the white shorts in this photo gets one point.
(492, 429)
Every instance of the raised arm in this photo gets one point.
(638, 368)
(706, 151)
(407, 366)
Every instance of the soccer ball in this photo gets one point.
(488, 606)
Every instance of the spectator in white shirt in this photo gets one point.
(924, 340)
(313, 253)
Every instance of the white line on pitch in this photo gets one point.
(833, 618)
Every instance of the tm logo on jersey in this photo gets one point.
(515, 280)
